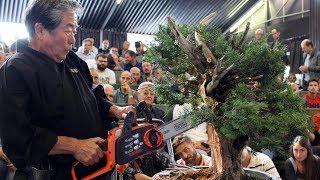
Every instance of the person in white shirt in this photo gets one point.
(93, 49)
(258, 161)
(86, 53)
(186, 150)
(106, 75)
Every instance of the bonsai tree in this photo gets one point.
(236, 86)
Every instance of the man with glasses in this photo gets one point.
(147, 93)
(109, 91)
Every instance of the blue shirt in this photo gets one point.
(128, 66)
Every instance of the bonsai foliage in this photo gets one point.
(249, 99)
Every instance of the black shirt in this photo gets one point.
(40, 100)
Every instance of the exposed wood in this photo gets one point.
(214, 141)
(186, 46)
(244, 35)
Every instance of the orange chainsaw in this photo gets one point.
(126, 143)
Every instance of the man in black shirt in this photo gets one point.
(48, 111)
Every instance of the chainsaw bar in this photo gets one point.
(177, 126)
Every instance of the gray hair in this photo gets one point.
(48, 13)
(259, 31)
(145, 85)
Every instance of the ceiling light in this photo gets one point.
(118, 1)
(249, 13)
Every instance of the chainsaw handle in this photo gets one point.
(128, 122)
(109, 150)
(143, 109)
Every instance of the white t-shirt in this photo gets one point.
(307, 63)
(107, 76)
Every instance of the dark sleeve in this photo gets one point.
(23, 142)
(290, 173)
(104, 106)
(316, 67)
(82, 66)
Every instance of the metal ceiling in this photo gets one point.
(141, 16)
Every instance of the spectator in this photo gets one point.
(311, 66)
(50, 117)
(276, 40)
(136, 76)
(147, 71)
(95, 77)
(275, 37)
(104, 47)
(106, 75)
(109, 91)
(94, 50)
(312, 97)
(315, 136)
(146, 93)
(292, 82)
(258, 34)
(157, 75)
(139, 48)
(258, 161)
(131, 61)
(114, 63)
(302, 164)
(86, 53)
(189, 155)
(198, 134)
(125, 48)
(125, 94)
(115, 51)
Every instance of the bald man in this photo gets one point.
(109, 91)
(311, 59)
(125, 94)
(136, 76)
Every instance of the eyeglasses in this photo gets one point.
(146, 92)
(100, 61)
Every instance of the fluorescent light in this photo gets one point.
(246, 15)
(237, 8)
(118, 1)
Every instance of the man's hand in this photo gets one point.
(121, 112)
(126, 89)
(304, 69)
(87, 151)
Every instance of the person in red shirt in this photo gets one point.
(312, 97)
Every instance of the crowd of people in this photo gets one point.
(57, 104)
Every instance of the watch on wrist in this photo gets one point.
(132, 171)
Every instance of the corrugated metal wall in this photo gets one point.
(139, 16)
